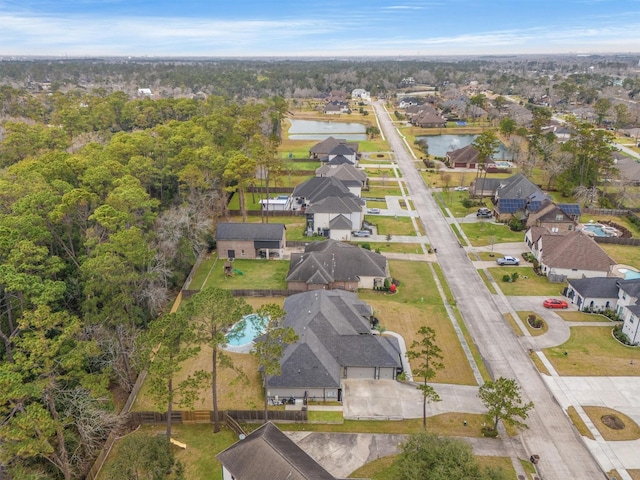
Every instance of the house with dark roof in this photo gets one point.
(322, 149)
(332, 264)
(336, 107)
(595, 294)
(553, 217)
(428, 119)
(324, 199)
(516, 194)
(569, 255)
(267, 453)
(351, 177)
(336, 342)
(250, 240)
(465, 157)
(344, 151)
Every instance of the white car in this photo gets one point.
(373, 210)
(461, 189)
(361, 233)
(507, 260)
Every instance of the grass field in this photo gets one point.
(593, 351)
(264, 274)
(582, 317)
(533, 285)
(392, 225)
(481, 234)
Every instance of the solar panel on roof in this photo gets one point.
(570, 208)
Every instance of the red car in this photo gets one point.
(555, 303)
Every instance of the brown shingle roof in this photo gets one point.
(575, 251)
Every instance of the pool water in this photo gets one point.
(598, 230)
(246, 330)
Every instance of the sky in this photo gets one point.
(328, 28)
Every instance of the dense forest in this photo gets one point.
(106, 203)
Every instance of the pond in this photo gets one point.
(439, 145)
(320, 130)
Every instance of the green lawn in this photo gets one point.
(392, 225)
(199, 458)
(624, 254)
(380, 191)
(393, 247)
(532, 285)
(481, 233)
(593, 351)
(263, 274)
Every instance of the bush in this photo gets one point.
(467, 202)
(514, 276)
(621, 337)
(366, 246)
(507, 278)
(489, 432)
(534, 321)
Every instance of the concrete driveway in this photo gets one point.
(391, 400)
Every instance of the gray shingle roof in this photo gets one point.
(596, 287)
(340, 160)
(250, 231)
(334, 334)
(343, 204)
(317, 188)
(267, 453)
(340, 223)
(631, 287)
(468, 154)
(341, 149)
(343, 173)
(337, 261)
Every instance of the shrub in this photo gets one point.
(489, 432)
(366, 246)
(534, 321)
(621, 337)
(514, 276)
(467, 202)
(507, 278)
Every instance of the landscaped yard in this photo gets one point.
(480, 233)
(199, 458)
(593, 351)
(381, 191)
(416, 304)
(263, 274)
(392, 225)
(623, 254)
(392, 247)
(582, 317)
(533, 285)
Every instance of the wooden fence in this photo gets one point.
(207, 417)
(618, 240)
(272, 213)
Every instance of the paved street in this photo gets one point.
(563, 454)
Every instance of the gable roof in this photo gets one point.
(468, 154)
(549, 212)
(596, 287)
(340, 160)
(631, 287)
(268, 453)
(250, 231)
(317, 188)
(334, 332)
(335, 261)
(340, 223)
(341, 149)
(574, 250)
(342, 204)
(514, 193)
(344, 173)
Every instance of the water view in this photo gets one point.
(439, 145)
(320, 130)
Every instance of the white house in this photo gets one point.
(628, 309)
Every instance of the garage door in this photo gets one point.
(360, 372)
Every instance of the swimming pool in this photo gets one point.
(246, 330)
(599, 230)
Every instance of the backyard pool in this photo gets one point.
(600, 230)
(246, 330)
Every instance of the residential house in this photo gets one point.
(267, 453)
(465, 157)
(344, 151)
(336, 342)
(360, 93)
(336, 107)
(428, 120)
(569, 255)
(516, 194)
(332, 264)
(354, 179)
(595, 294)
(628, 168)
(325, 198)
(250, 240)
(628, 309)
(554, 217)
(321, 149)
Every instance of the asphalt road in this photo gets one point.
(562, 453)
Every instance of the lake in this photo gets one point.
(439, 145)
(320, 130)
